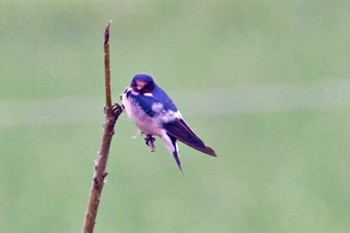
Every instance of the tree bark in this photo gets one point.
(111, 115)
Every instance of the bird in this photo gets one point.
(155, 114)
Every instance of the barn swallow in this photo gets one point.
(155, 114)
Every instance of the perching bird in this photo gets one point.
(154, 113)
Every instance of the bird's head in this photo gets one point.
(142, 83)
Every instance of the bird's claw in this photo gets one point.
(149, 139)
(117, 109)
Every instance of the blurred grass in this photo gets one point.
(276, 172)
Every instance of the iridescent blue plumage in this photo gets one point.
(154, 113)
(146, 102)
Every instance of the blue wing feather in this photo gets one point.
(182, 132)
(164, 99)
(145, 102)
(158, 96)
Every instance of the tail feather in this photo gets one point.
(175, 152)
(177, 159)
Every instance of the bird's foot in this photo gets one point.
(117, 109)
(150, 142)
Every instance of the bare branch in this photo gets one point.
(107, 67)
(111, 115)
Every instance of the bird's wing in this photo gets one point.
(146, 103)
(182, 132)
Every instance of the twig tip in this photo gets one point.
(107, 32)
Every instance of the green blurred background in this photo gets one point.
(262, 82)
